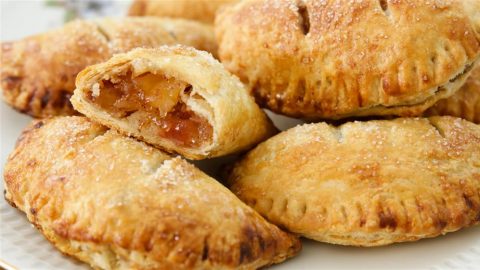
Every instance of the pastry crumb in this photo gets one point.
(95, 90)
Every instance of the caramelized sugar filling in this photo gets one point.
(153, 102)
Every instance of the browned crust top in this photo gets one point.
(38, 73)
(332, 59)
(366, 183)
(78, 182)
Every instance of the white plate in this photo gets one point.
(23, 247)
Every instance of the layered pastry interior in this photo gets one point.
(155, 104)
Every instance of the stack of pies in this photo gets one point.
(38, 73)
(385, 157)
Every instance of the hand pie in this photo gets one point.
(176, 98)
(116, 203)
(465, 103)
(199, 10)
(366, 183)
(338, 59)
(38, 73)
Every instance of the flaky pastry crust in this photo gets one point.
(366, 183)
(465, 103)
(337, 59)
(199, 10)
(116, 203)
(236, 122)
(38, 73)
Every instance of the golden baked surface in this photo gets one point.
(38, 73)
(366, 183)
(465, 103)
(117, 203)
(187, 102)
(336, 59)
(199, 10)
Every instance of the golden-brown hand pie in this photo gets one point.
(176, 98)
(465, 103)
(337, 59)
(199, 10)
(116, 203)
(366, 183)
(38, 73)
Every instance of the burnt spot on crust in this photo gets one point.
(301, 91)
(46, 102)
(128, 113)
(39, 124)
(11, 82)
(391, 86)
(255, 242)
(188, 90)
(440, 224)
(387, 220)
(246, 246)
(246, 254)
(30, 101)
(64, 78)
(45, 99)
(304, 17)
(279, 101)
(468, 202)
(384, 5)
(12, 204)
(33, 211)
(205, 251)
(261, 244)
(362, 222)
(256, 90)
(62, 99)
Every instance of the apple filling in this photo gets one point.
(152, 102)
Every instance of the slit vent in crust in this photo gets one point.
(304, 17)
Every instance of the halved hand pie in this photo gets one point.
(366, 183)
(116, 203)
(199, 10)
(337, 59)
(38, 73)
(176, 98)
(465, 103)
